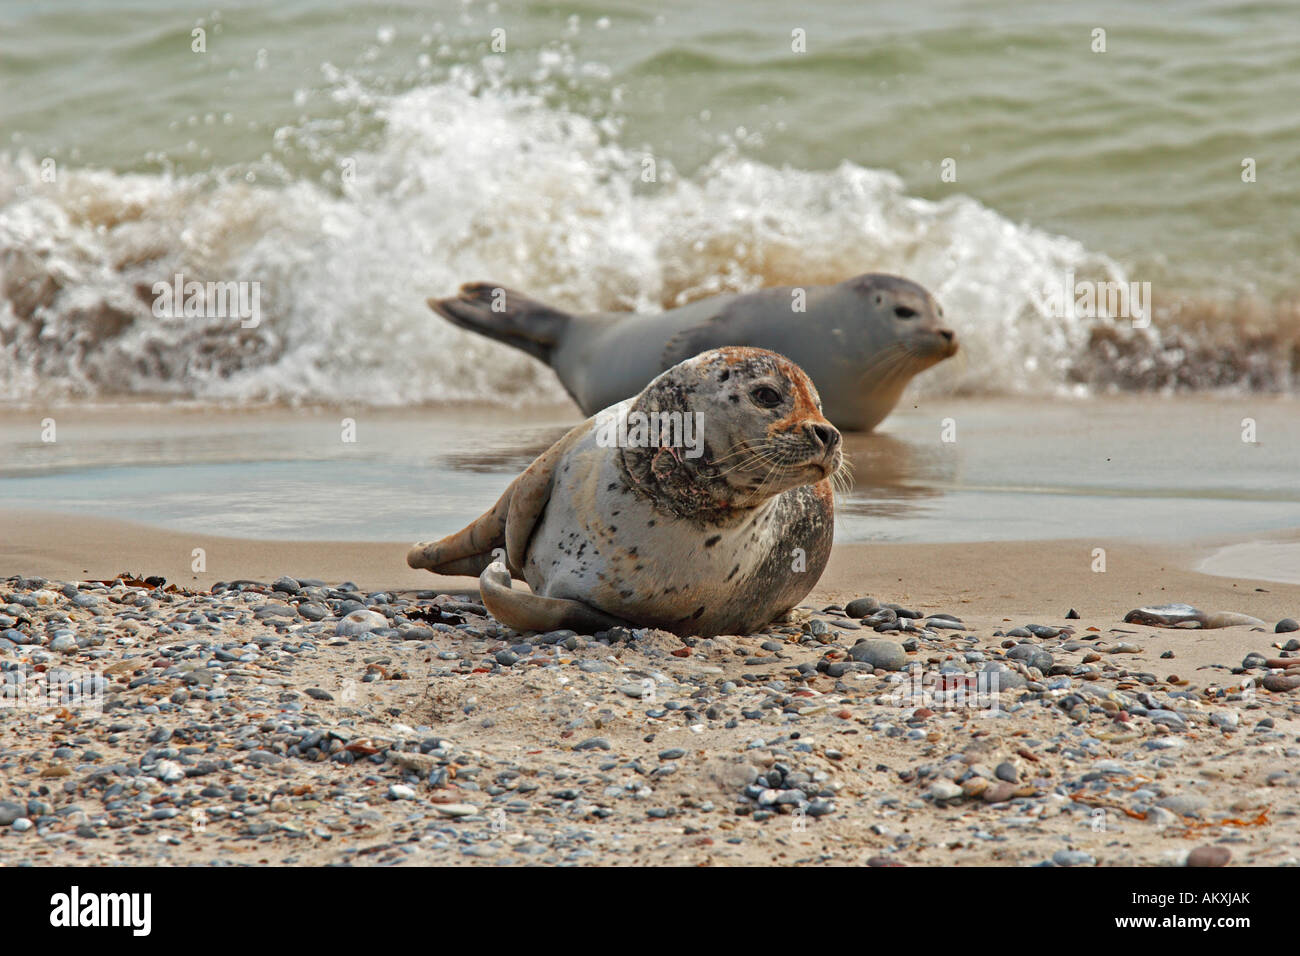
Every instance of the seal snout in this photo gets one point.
(823, 435)
(824, 442)
(949, 338)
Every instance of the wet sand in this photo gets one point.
(991, 581)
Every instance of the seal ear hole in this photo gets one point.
(903, 312)
(765, 396)
(880, 299)
(727, 374)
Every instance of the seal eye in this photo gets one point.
(903, 312)
(765, 396)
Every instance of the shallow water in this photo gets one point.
(1148, 469)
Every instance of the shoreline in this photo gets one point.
(988, 583)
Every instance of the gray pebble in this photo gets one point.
(886, 655)
(1072, 858)
(862, 607)
(1184, 804)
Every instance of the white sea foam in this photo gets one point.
(467, 183)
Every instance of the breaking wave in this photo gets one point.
(462, 182)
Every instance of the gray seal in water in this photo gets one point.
(860, 341)
(616, 524)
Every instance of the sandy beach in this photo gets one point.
(255, 725)
(286, 288)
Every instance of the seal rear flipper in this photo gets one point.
(523, 611)
(506, 316)
(469, 550)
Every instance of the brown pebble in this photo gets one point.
(1281, 683)
(1091, 657)
(1209, 856)
(999, 792)
(882, 861)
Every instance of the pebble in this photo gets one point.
(1281, 683)
(1032, 655)
(862, 607)
(1286, 626)
(1209, 856)
(886, 655)
(944, 790)
(1072, 858)
(313, 612)
(1184, 804)
(1169, 718)
(359, 622)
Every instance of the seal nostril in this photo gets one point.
(824, 435)
(946, 333)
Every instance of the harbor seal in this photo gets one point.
(616, 524)
(861, 341)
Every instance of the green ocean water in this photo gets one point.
(356, 157)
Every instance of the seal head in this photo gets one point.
(763, 428)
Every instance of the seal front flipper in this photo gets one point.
(531, 612)
(506, 316)
(507, 525)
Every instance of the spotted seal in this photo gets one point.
(715, 518)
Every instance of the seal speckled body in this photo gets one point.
(722, 541)
(860, 341)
